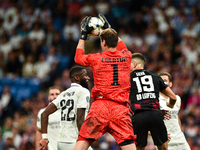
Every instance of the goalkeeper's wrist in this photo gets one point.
(44, 136)
(83, 36)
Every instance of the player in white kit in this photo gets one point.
(53, 122)
(74, 104)
(172, 122)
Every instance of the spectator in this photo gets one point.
(86, 8)
(138, 25)
(10, 23)
(42, 68)
(28, 136)
(190, 128)
(43, 12)
(58, 43)
(13, 66)
(15, 39)
(103, 7)
(5, 46)
(194, 98)
(7, 126)
(28, 67)
(7, 103)
(9, 144)
(65, 80)
(27, 15)
(71, 28)
(73, 9)
(14, 136)
(51, 57)
(49, 34)
(37, 34)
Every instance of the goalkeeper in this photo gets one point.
(109, 111)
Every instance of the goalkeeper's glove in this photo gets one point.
(85, 29)
(104, 20)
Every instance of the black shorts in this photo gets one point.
(152, 121)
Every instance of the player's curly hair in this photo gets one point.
(110, 36)
(74, 70)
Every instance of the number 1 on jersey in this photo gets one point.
(115, 74)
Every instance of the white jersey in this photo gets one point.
(53, 127)
(68, 102)
(172, 125)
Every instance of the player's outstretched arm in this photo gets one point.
(80, 49)
(171, 95)
(80, 117)
(44, 122)
(121, 45)
(38, 137)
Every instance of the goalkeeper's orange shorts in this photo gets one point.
(107, 116)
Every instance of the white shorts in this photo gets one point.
(181, 146)
(68, 146)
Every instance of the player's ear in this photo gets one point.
(104, 43)
(170, 84)
(134, 64)
(77, 78)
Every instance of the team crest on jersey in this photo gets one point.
(87, 98)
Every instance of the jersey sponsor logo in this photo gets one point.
(54, 125)
(114, 60)
(145, 96)
(69, 94)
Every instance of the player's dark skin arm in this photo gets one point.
(80, 117)
(45, 115)
(171, 95)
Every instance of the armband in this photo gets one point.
(44, 136)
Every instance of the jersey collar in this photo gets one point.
(75, 84)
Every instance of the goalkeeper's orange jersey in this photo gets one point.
(111, 71)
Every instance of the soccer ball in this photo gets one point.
(97, 24)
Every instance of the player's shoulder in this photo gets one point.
(94, 55)
(77, 89)
(84, 90)
(178, 99)
(41, 111)
(126, 51)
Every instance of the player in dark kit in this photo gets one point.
(145, 87)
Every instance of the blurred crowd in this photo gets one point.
(38, 40)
